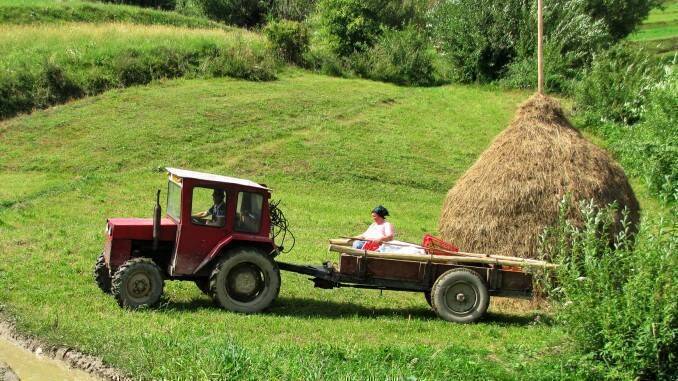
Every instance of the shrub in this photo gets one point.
(16, 92)
(616, 86)
(289, 38)
(404, 57)
(244, 13)
(621, 16)
(355, 25)
(241, 60)
(483, 40)
(191, 8)
(296, 10)
(648, 149)
(617, 302)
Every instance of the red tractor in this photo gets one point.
(217, 232)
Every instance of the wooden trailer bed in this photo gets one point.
(457, 287)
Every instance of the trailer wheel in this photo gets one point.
(460, 295)
(138, 283)
(246, 280)
(102, 276)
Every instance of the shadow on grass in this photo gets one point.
(313, 308)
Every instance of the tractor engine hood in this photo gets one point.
(140, 228)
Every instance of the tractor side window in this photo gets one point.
(208, 206)
(248, 212)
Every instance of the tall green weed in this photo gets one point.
(616, 296)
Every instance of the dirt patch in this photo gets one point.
(69, 356)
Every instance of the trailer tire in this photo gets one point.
(460, 296)
(245, 280)
(102, 276)
(138, 283)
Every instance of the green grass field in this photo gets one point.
(659, 32)
(331, 149)
(52, 11)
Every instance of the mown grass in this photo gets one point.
(659, 32)
(331, 149)
(42, 65)
(50, 11)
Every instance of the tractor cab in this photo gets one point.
(216, 232)
(212, 212)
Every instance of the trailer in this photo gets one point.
(457, 285)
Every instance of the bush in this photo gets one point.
(616, 86)
(621, 16)
(404, 57)
(355, 25)
(244, 61)
(296, 10)
(243, 13)
(484, 40)
(648, 149)
(617, 302)
(289, 38)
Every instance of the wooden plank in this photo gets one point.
(441, 258)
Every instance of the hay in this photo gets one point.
(507, 198)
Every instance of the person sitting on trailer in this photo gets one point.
(217, 211)
(378, 232)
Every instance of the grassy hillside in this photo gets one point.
(52, 11)
(660, 31)
(42, 65)
(331, 149)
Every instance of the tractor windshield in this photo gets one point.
(174, 200)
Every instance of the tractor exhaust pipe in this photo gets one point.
(157, 211)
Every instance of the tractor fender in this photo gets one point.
(235, 239)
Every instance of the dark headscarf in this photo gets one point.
(380, 211)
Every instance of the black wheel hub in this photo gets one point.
(245, 282)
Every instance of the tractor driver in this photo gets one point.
(217, 211)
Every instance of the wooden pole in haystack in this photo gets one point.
(540, 48)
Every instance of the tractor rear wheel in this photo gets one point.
(245, 280)
(102, 276)
(460, 295)
(138, 283)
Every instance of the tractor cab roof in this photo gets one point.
(183, 173)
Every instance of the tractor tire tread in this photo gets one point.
(121, 272)
(219, 267)
(102, 276)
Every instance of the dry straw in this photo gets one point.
(507, 198)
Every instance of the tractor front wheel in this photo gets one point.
(245, 280)
(138, 283)
(102, 276)
(460, 295)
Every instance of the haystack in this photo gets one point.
(507, 198)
